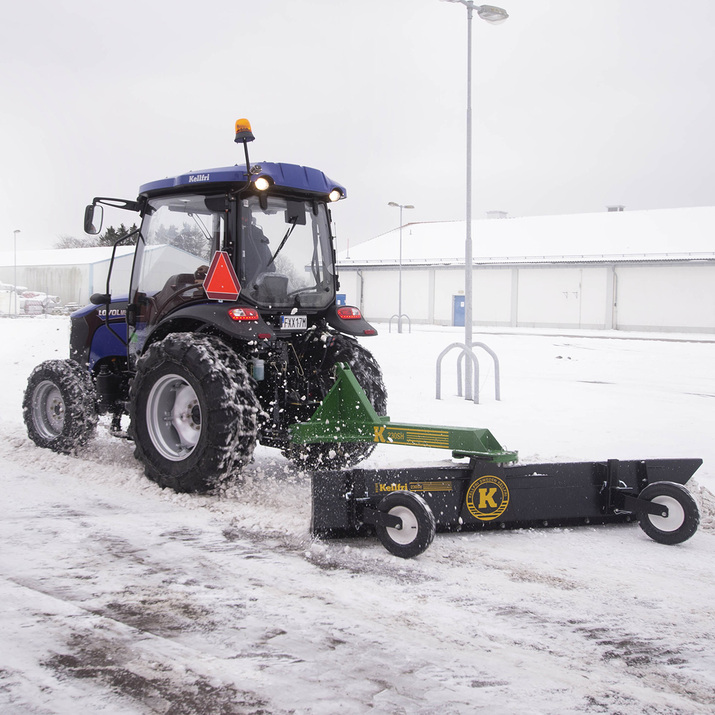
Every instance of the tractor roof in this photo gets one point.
(290, 176)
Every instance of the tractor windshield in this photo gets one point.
(286, 257)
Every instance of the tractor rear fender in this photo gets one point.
(92, 341)
(217, 318)
(348, 319)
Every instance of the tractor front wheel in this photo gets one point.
(59, 406)
(683, 515)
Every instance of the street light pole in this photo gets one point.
(399, 282)
(14, 280)
(468, 256)
(494, 16)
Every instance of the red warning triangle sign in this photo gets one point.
(221, 282)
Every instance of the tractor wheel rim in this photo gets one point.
(408, 533)
(173, 416)
(48, 410)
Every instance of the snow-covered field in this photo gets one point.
(118, 597)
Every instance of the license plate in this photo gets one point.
(294, 322)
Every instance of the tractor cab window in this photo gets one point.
(286, 257)
(179, 235)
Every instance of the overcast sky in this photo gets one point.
(577, 104)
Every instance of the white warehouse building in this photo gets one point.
(74, 274)
(71, 274)
(625, 270)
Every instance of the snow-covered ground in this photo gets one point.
(118, 597)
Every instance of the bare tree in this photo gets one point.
(67, 241)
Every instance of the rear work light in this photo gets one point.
(349, 313)
(240, 314)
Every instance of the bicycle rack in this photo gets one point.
(399, 318)
(469, 352)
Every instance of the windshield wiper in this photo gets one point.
(201, 226)
(294, 221)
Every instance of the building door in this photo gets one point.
(458, 308)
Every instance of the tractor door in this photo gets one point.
(178, 237)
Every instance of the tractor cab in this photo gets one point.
(255, 236)
(276, 247)
(274, 228)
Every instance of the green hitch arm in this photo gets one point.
(347, 415)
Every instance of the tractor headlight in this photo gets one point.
(335, 195)
(261, 183)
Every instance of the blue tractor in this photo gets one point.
(227, 333)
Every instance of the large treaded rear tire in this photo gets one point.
(337, 455)
(193, 412)
(59, 406)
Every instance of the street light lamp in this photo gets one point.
(494, 16)
(399, 290)
(14, 280)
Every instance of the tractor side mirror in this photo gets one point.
(93, 217)
(100, 298)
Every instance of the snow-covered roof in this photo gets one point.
(656, 235)
(62, 256)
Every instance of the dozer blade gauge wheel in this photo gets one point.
(683, 515)
(418, 526)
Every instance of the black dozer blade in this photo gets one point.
(486, 495)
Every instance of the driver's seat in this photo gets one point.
(173, 291)
(271, 288)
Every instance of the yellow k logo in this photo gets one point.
(486, 498)
(379, 433)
